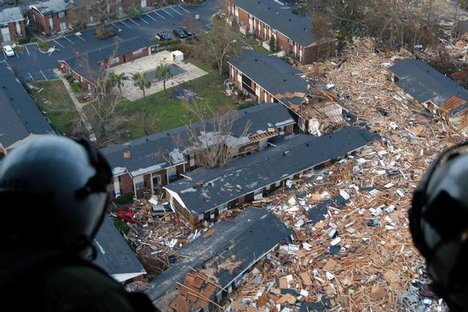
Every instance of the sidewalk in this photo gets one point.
(78, 106)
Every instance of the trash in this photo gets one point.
(336, 241)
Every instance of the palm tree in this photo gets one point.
(140, 81)
(163, 72)
(117, 80)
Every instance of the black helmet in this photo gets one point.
(56, 190)
(439, 225)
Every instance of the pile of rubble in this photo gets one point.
(157, 239)
(351, 246)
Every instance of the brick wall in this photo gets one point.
(126, 184)
(243, 19)
(12, 30)
(282, 42)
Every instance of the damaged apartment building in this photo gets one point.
(204, 193)
(437, 93)
(213, 265)
(148, 163)
(267, 79)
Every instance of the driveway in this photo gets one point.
(31, 64)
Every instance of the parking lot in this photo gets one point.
(31, 64)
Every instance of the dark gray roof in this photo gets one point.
(270, 72)
(261, 117)
(19, 115)
(53, 6)
(87, 64)
(247, 174)
(424, 83)
(246, 239)
(280, 17)
(114, 255)
(144, 151)
(10, 15)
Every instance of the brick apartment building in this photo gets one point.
(53, 16)
(85, 67)
(12, 24)
(267, 19)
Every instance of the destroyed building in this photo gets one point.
(270, 79)
(213, 265)
(204, 193)
(148, 163)
(437, 93)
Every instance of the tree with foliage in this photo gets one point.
(117, 80)
(140, 81)
(221, 43)
(163, 72)
(393, 23)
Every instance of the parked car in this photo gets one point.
(164, 36)
(180, 32)
(189, 33)
(8, 50)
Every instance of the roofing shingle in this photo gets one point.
(270, 72)
(143, 152)
(424, 83)
(244, 240)
(19, 115)
(280, 17)
(248, 174)
(114, 254)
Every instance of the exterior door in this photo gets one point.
(143, 3)
(6, 34)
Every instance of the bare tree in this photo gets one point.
(105, 99)
(219, 44)
(210, 140)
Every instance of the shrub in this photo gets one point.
(42, 45)
(135, 12)
(124, 199)
(122, 226)
(76, 86)
(24, 40)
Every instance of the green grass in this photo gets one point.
(209, 89)
(55, 101)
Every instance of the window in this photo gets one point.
(61, 14)
(171, 174)
(137, 52)
(114, 60)
(139, 182)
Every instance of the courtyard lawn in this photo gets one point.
(53, 99)
(209, 90)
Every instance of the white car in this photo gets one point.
(8, 50)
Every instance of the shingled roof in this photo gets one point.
(244, 240)
(141, 155)
(248, 174)
(270, 72)
(114, 254)
(280, 17)
(424, 83)
(19, 115)
(87, 64)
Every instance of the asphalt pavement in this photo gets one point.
(31, 64)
